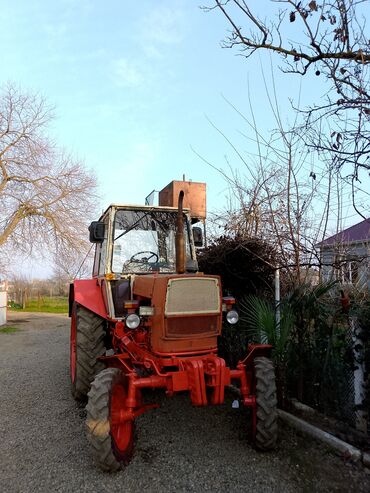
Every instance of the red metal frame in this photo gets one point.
(204, 376)
(202, 373)
(122, 426)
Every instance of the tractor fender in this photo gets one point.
(256, 351)
(87, 293)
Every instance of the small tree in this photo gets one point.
(19, 290)
(246, 265)
(273, 198)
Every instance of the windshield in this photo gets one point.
(144, 241)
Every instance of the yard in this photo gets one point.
(178, 448)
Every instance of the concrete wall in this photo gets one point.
(3, 303)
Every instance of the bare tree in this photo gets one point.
(19, 289)
(333, 31)
(330, 40)
(276, 197)
(45, 194)
(69, 264)
(276, 205)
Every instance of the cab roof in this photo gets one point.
(142, 208)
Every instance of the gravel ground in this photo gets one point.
(179, 448)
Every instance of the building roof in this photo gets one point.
(356, 233)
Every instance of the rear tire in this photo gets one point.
(87, 344)
(111, 439)
(266, 404)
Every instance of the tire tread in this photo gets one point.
(90, 335)
(266, 401)
(97, 413)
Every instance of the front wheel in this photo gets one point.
(111, 436)
(266, 404)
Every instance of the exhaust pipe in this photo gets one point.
(179, 239)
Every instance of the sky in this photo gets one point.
(139, 87)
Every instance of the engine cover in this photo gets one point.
(187, 311)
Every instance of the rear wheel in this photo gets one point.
(111, 437)
(266, 404)
(87, 344)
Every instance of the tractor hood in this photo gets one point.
(187, 310)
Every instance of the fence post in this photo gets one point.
(358, 374)
(277, 301)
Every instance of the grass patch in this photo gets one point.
(46, 304)
(8, 329)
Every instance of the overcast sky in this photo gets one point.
(136, 85)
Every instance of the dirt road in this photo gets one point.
(179, 448)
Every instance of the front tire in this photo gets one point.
(266, 404)
(112, 439)
(87, 344)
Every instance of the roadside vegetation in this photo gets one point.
(313, 346)
(43, 295)
(46, 304)
(8, 329)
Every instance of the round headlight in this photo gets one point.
(132, 321)
(232, 317)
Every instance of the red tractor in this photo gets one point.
(149, 319)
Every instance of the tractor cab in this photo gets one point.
(134, 241)
(139, 240)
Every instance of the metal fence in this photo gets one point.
(335, 374)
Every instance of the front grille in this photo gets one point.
(193, 325)
(192, 295)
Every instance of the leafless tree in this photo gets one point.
(328, 39)
(45, 194)
(19, 289)
(275, 196)
(69, 264)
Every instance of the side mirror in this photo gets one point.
(198, 236)
(97, 230)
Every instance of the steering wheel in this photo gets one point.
(144, 260)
